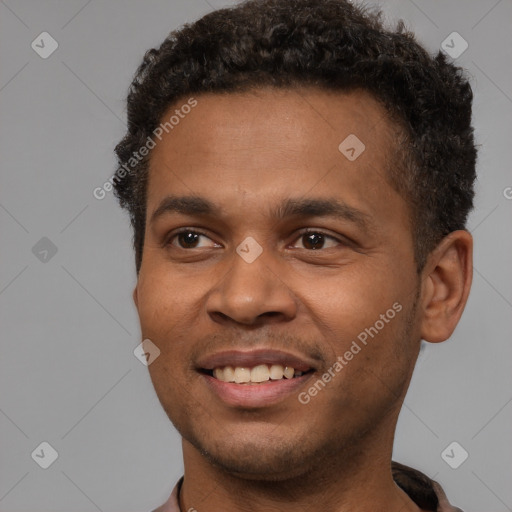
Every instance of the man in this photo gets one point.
(298, 179)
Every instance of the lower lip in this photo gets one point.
(255, 395)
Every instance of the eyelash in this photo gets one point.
(305, 231)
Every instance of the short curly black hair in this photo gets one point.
(329, 44)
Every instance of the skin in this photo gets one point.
(247, 153)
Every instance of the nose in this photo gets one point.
(251, 294)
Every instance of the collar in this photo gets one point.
(425, 492)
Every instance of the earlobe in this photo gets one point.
(445, 286)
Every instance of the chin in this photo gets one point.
(260, 466)
(255, 456)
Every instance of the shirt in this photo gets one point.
(426, 493)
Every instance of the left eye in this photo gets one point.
(315, 240)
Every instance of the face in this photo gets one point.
(294, 242)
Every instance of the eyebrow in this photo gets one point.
(200, 206)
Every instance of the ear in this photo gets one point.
(446, 282)
(135, 297)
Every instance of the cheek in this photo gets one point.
(352, 299)
(162, 308)
(160, 302)
(362, 317)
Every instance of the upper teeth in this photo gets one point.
(260, 373)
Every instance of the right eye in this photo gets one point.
(187, 238)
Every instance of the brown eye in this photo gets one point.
(188, 239)
(315, 240)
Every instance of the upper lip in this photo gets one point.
(255, 357)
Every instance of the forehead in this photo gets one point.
(299, 118)
(274, 143)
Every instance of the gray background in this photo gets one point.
(68, 375)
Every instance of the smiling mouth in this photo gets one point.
(259, 374)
